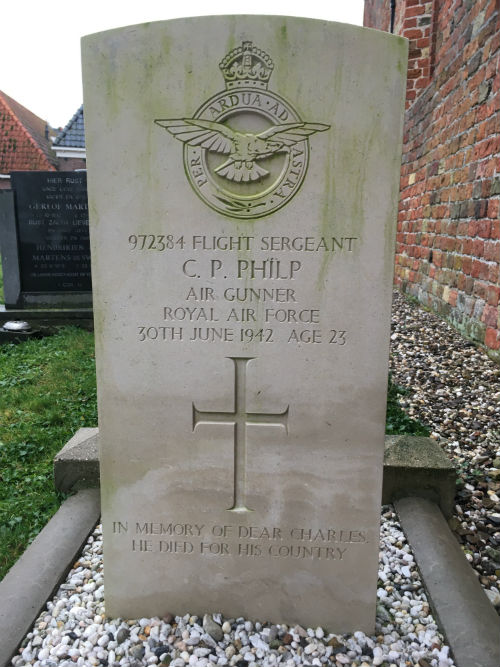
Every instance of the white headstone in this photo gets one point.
(243, 179)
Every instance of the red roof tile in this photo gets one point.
(23, 141)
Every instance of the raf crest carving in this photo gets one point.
(246, 149)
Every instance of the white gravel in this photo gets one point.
(74, 629)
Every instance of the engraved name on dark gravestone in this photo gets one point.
(53, 231)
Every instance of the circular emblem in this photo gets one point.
(254, 179)
(246, 149)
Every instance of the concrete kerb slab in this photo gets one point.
(412, 466)
(466, 616)
(417, 466)
(46, 321)
(32, 580)
(76, 466)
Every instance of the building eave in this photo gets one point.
(70, 151)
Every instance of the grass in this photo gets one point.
(47, 392)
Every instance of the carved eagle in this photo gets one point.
(243, 148)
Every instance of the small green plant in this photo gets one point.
(397, 421)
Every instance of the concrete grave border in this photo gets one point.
(33, 579)
(459, 604)
(413, 466)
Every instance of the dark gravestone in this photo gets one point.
(53, 221)
(45, 246)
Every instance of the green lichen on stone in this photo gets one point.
(415, 452)
(231, 41)
(327, 222)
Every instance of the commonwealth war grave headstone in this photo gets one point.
(243, 181)
(45, 241)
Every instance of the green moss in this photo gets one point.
(113, 100)
(231, 40)
(326, 223)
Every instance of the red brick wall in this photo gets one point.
(414, 21)
(448, 240)
(378, 15)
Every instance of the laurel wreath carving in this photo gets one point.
(239, 206)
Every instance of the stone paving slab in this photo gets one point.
(45, 321)
(32, 580)
(51, 315)
(466, 616)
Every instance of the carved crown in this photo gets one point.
(246, 65)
